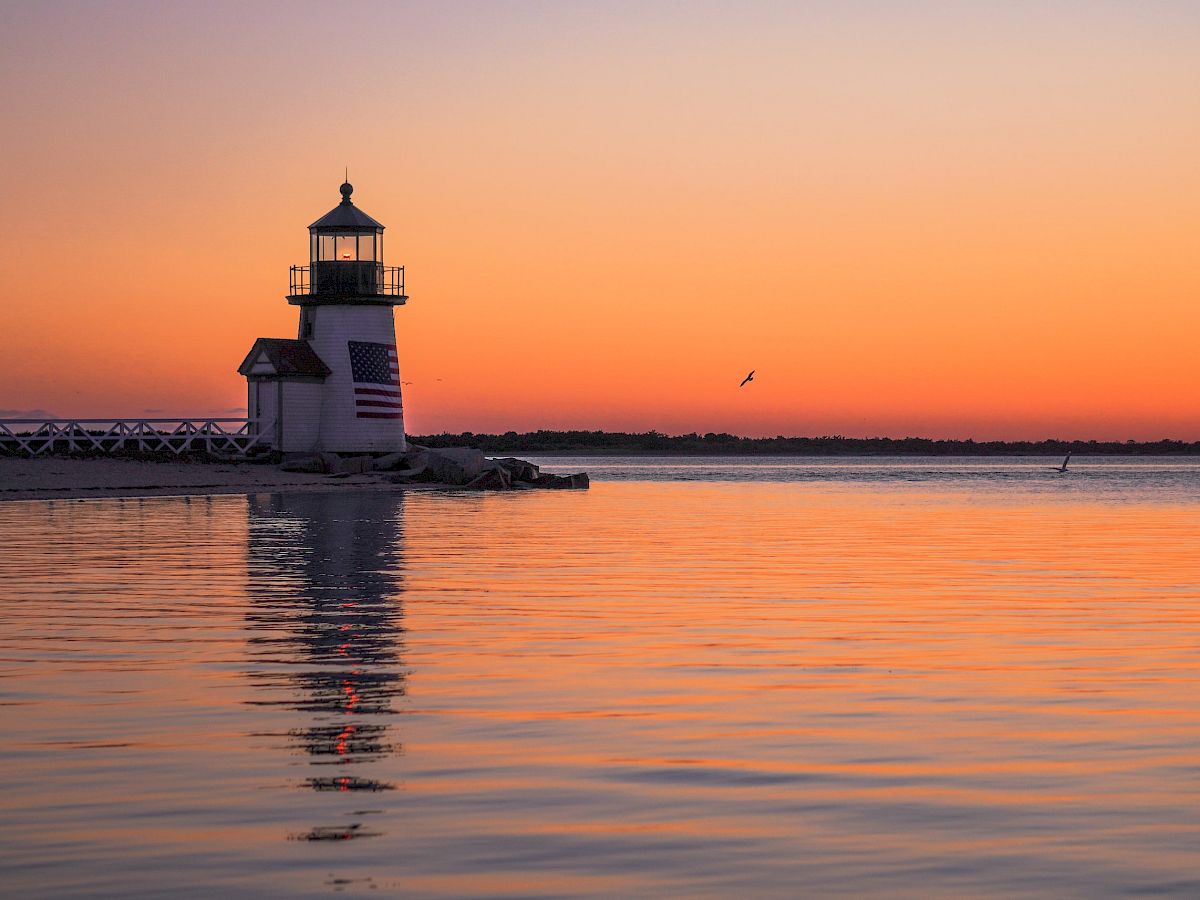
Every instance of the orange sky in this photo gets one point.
(953, 220)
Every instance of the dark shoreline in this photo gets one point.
(600, 443)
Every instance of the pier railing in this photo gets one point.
(234, 437)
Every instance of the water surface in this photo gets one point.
(825, 677)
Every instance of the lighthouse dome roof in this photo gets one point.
(345, 215)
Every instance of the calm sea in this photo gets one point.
(750, 677)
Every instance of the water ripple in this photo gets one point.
(932, 678)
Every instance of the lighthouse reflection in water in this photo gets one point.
(326, 635)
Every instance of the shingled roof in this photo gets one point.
(288, 358)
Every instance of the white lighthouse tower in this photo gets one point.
(337, 386)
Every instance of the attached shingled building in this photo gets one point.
(284, 380)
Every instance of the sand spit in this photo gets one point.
(52, 478)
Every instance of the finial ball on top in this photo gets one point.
(347, 189)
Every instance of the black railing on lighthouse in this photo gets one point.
(337, 277)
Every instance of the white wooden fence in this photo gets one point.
(32, 437)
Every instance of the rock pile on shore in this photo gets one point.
(462, 466)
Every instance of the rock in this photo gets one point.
(578, 481)
(333, 464)
(415, 457)
(494, 479)
(519, 469)
(470, 459)
(454, 465)
(304, 464)
(465, 466)
(446, 471)
(389, 461)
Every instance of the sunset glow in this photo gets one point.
(942, 220)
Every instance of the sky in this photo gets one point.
(963, 220)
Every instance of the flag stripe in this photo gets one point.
(375, 373)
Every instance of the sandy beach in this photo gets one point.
(53, 478)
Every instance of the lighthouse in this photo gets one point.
(336, 387)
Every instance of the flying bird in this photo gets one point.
(1063, 467)
(749, 377)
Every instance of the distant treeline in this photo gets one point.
(652, 442)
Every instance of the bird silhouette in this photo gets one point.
(749, 377)
(1063, 467)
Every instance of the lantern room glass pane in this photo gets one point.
(326, 246)
(366, 247)
(347, 247)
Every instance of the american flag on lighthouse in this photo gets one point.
(376, 375)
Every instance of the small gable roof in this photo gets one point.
(283, 358)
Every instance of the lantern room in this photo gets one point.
(346, 260)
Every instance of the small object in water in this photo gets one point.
(1063, 467)
(335, 833)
